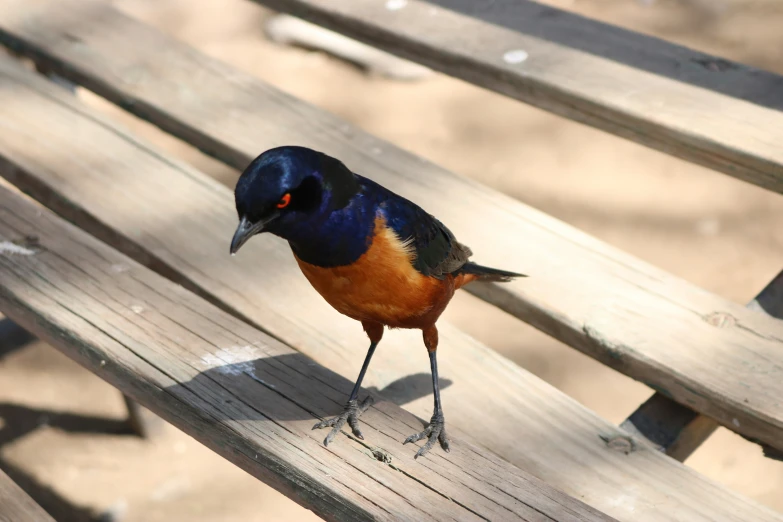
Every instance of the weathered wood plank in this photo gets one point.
(677, 430)
(17, 506)
(667, 97)
(239, 391)
(176, 219)
(638, 319)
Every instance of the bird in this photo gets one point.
(372, 254)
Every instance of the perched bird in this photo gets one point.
(373, 255)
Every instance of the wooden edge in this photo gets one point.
(587, 308)
(17, 506)
(519, 416)
(676, 429)
(240, 392)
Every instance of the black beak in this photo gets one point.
(246, 230)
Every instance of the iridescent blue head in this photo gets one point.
(289, 191)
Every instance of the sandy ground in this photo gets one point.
(57, 420)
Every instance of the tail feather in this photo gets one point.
(485, 273)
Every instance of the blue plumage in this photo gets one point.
(331, 219)
(372, 254)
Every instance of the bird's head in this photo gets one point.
(288, 188)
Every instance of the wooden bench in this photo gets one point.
(225, 372)
(638, 87)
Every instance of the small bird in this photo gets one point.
(373, 255)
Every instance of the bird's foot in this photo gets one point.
(435, 431)
(350, 414)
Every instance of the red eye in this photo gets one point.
(284, 201)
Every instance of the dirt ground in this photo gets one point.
(57, 420)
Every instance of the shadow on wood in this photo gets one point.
(146, 424)
(300, 370)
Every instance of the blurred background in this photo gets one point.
(721, 234)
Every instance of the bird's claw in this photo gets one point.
(351, 415)
(436, 430)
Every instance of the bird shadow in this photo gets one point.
(410, 388)
(270, 385)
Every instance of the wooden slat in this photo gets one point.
(239, 391)
(677, 430)
(663, 96)
(705, 352)
(176, 219)
(17, 506)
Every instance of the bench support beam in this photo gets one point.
(677, 430)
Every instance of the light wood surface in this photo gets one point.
(180, 222)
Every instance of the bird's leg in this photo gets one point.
(437, 427)
(354, 408)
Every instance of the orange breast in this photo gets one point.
(382, 285)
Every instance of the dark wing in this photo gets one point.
(438, 253)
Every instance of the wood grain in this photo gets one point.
(705, 352)
(17, 506)
(239, 391)
(677, 430)
(637, 87)
(708, 110)
(179, 221)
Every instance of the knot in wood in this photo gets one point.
(31, 242)
(620, 443)
(721, 319)
(381, 456)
